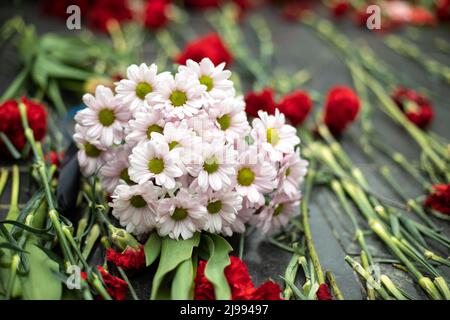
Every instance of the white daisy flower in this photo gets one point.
(135, 207)
(275, 137)
(115, 170)
(277, 214)
(143, 125)
(215, 79)
(91, 155)
(181, 215)
(204, 127)
(150, 160)
(229, 116)
(254, 176)
(176, 135)
(221, 208)
(291, 173)
(216, 169)
(179, 97)
(142, 82)
(104, 117)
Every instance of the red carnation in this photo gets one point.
(209, 46)
(11, 123)
(203, 4)
(130, 260)
(116, 287)
(55, 158)
(439, 199)
(255, 101)
(323, 293)
(104, 11)
(341, 109)
(294, 11)
(443, 10)
(157, 14)
(340, 8)
(296, 106)
(239, 281)
(417, 108)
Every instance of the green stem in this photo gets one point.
(308, 236)
(14, 211)
(334, 287)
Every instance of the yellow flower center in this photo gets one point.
(156, 166)
(106, 117)
(211, 165)
(214, 207)
(154, 128)
(142, 89)
(138, 202)
(207, 81)
(178, 98)
(91, 150)
(179, 214)
(173, 145)
(245, 177)
(224, 122)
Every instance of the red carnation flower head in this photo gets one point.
(130, 259)
(341, 109)
(263, 100)
(323, 293)
(340, 8)
(240, 283)
(104, 12)
(11, 122)
(209, 46)
(55, 158)
(203, 4)
(157, 14)
(296, 106)
(116, 287)
(443, 10)
(416, 107)
(439, 198)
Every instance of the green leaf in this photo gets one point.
(152, 248)
(15, 86)
(183, 281)
(40, 283)
(219, 259)
(173, 252)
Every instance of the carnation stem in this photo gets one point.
(366, 265)
(308, 236)
(14, 211)
(369, 279)
(130, 286)
(390, 286)
(334, 287)
(4, 173)
(241, 245)
(10, 146)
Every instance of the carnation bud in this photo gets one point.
(123, 239)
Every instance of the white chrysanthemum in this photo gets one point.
(176, 135)
(135, 207)
(179, 97)
(229, 116)
(242, 217)
(144, 123)
(221, 208)
(182, 215)
(291, 173)
(91, 155)
(254, 176)
(104, 118)
(277, 214)
(275, 137)
(142, 82)
(150, 160)
(216, 169)
(115, 170)
(214, 78)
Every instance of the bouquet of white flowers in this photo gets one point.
(178, 154)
